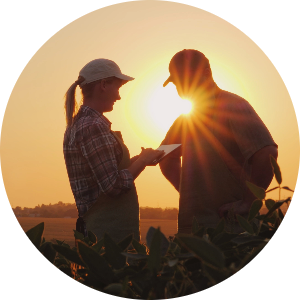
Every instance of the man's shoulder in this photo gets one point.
(232, 101)
(173, 136)
(231, 97)
(177, 124)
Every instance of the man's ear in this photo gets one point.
(207, 72)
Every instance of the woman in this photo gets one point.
(99, 167)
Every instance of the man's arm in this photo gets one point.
(261, 169)
(261, 175)
(171, 168)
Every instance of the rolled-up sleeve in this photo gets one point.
(98, 148)
(249, 131)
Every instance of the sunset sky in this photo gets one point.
(141, 37)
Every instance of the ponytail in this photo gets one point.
(70, 102)
(86, 89)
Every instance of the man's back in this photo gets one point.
(217, 142)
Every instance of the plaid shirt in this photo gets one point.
(92, 155)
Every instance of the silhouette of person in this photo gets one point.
(224, 143)
(100, 170)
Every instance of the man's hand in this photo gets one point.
(237, 208)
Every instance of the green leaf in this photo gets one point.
(254, 210)
(215, 275)
(252, 255)
(97, 247)
(249, 240)
(269, 203)
(210, 231)
(287, 188)
(204, 250)
(266, 220)
(164, 241)
(173, 246)
(92, 237)
(78, 235)
(135, 255)
(113, 253)
(200, 232)
(124, 244)
(276, 169)
(69, 254)
(59, 242)
(280, 213)
(223, 238)
(272, 218)
(140, 248)
(277, 221)
(95, 262)
(220, 228)
(256, 225)
(251, 244)
(115, 289)
(185, 255)
(257, 191)
(261, 217)
(245, 224)
(154, 258)
(87, 240)
(48, 251)
(274, 207)
(61, 261)
(35, 234)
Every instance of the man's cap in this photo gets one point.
(99, 69)
(189, 58)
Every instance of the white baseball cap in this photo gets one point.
(99, 69)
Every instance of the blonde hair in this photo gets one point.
(71, 106)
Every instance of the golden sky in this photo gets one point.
(141, 37)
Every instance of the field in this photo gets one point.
(62, 229)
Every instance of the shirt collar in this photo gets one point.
(96, 114)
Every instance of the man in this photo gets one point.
(224, 143)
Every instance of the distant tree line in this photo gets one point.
(69, 210)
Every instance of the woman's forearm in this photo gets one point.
(146, 157)
(137, 167)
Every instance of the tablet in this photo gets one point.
(168, 149)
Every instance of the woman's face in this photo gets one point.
(110, 93)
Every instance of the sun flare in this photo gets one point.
(151, 108)
(164, 106)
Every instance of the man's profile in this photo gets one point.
(224, 143)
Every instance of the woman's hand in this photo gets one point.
(148, 155)
(133, 159)
(145, 158)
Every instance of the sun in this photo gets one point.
(186, 106)
(151, 109)
(164, 106)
